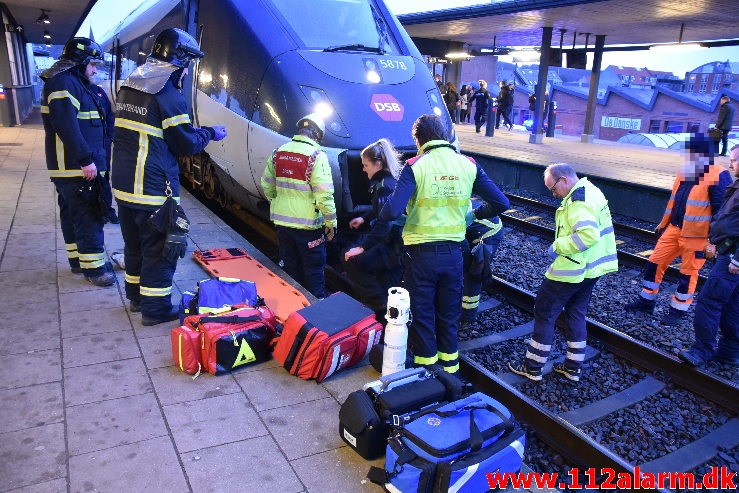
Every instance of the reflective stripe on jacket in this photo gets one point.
(151, 131)
(298, 184)
(74, 131)
(698, 211)
(584, 239)
(437, 209)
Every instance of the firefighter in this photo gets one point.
(75, 155)
(153, 128)
(435, 188)
(696, 196)
(483, 236)
(298, 184)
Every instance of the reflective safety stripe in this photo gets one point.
(697, 218)
(70, 173)
(138, 178)
(88, 115)
(459, 483)
(650, 284)
(648, 295)
(294, 185)
(540, 347)
(699, 203)
(536, 357)
(470, 302)
(680, 305)
(323, 187)
(175, 120)
(420, 360)
(683, 296)
(583, 224)
(155, 291)
(62, 95)
(92, 260)
(44, 109)
(139, 127)
(132, 279)
(60, 155)
(602, 260)
(575, 356)
(451, 368)
(140, 198)
(606, 231)
(576, 344)
(578, 242)
(566, 272)
(447, 356)
(317, 222)
(71, 249)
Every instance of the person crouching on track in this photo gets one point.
(696, 196)
(75, 155)
(297, 182)
(435, 188)
(374, 266)
(717, 308)
(584, 249)
(153, 128)
(483, 235)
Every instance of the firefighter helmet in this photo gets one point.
(81, 51)
(175, 46)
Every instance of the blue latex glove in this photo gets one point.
(552, 254)
(220, 132)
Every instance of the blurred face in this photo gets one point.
(370, 166)
(734, 162)
(91, 71)
(556, 185)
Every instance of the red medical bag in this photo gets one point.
(321, 339)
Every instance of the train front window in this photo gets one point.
(338, 25)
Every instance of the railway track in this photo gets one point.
(563, 430)
(532, 225)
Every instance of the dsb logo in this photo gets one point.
(387, 107)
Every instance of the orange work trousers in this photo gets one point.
(670, 246)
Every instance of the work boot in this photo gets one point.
(113, 217)
(691, 357)
(77, 270)
(522, 368)
(103, 280)
(673, 317)
(148, 320)
(641, 305)
(571, 373)
(135, 306)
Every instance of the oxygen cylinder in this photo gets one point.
(396, 331)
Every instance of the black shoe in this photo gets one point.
(77, 270)
(673, 317)
(641, 305)
(103, 280)
(135, 306)
(691, 357)
(160, 319)
(572, 374)
(113, 217)
(524, 370)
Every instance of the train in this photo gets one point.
(270, 62)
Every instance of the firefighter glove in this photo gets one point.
(175, 246)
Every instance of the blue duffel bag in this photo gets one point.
(452, 448)
(218, 295)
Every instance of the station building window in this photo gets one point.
(694, 127)
(702, 88)
(674, 127)
(655, 126)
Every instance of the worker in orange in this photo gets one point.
(696, 196)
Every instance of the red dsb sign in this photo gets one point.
(387, 107)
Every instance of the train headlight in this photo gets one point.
(373, 77)
(324, 109)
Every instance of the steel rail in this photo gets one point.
(707, 385)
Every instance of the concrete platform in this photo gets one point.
(90, 400)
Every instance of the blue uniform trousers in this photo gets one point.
(552, 298)
(81, 228)
(717, 311)
(474, 276)
(148, 274)
(433, 277)
(303, 252)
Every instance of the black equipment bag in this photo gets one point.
(361, 427)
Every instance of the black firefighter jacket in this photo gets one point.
(151, 131)
(74, 129)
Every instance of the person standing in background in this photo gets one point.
(75, 155)
(451, 98)
(463, 103)
(481, 98)
(725, 122)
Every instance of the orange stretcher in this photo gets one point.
(280, 297)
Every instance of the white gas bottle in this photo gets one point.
(396, 331)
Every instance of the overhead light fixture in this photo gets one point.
(679, 46)
(44, 17)
(457, 55)
(47, 34)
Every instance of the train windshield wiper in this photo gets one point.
(355, 47)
